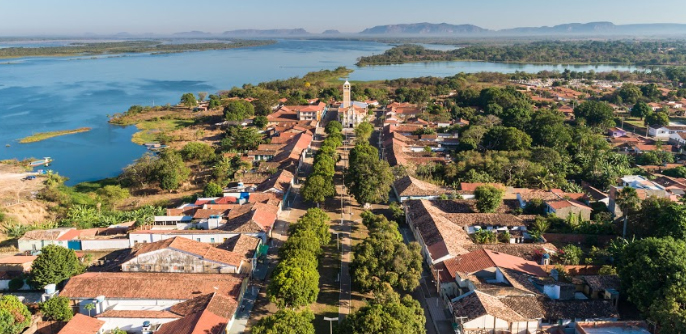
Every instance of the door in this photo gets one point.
(74, 244)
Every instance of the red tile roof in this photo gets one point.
(207, 314)
(483, 259)
(81, 324)
(199, 249)
(17, 259)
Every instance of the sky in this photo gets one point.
(76, 17)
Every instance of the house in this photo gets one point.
(83, 324)
(644, 189)
(132, 300)
(182, 255)
(601, 286)
(665, 131)
(615, 132)
(677, 138)
(207, 236)
(478, 312)
(408, 187)
(35, 240)
(563, 208)
(16, 263)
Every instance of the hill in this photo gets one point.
(425, 29)
(268, 32)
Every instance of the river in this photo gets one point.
(47, 94)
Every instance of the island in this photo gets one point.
(40, 136)
(551, 52)
(141, 46)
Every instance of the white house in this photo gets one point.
(206, 236)
(665, 131)
(483, 313)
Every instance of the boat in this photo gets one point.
(45, 162)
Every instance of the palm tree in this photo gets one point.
(627, 199)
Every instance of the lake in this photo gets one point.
(47, 94)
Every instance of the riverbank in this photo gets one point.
(144, 46)
(40, 136)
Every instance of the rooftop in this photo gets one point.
(199, 249)
(81, 324)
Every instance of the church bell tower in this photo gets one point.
(346, 95)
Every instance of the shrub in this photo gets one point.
(57, 309)
(16, 283)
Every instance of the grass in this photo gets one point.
(40, 136)
(150, 130)
(88, 187)
(329, 293)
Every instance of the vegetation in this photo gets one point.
(14, 315)
(188, 100)
(368, 178)
(57, 309)
(238, 110)
(167, 170)
(387, 313)
(320, 184)
(238, 139)
(123, 47)
(40, 136)
(488, 198)
(383, 257)
(558, 52)
(54, 265)
(286, 322)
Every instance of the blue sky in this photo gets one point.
(52, 17)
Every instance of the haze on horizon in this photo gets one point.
(78, 17)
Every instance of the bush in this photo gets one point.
(16, 283)
(488, 198)
(14, 316)
(57, 309)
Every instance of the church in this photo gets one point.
(349, 114)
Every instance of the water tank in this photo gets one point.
(100, 299)
(146, 323)
(50, 288)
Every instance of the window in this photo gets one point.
(211, 240)
(197, 239)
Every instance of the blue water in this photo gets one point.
(47, 94)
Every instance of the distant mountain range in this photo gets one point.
(424, 29)
(269, 32)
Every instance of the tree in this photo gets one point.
(318, 188)
(212, 190)
(641, 109)
(202, 96)
(387, 313)
(325, 166)
(14, 316)
(502, 138)
(57, 309)
(368, 179)
(294, 283)
(596, 113)
(333, 126)
(571, 255)
(627, 200)
(141, 173)
(241, 139)
(111, 194)
(675, 172)
(188, 100)
(656, 119)
(547, 129)
(384, 258)
(653, 274)
(238, 110)
(260, 122)
(315, 220)
(89, 307)
(197, 151)
(302, 240)
(629, 93)
(54, 265)
(170, 170)
(363, 131)
(286, 322)
(488, 198)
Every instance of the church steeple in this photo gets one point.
(346, 95)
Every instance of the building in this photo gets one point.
(16, 263)
(83, 324)
(611, 327)
(478, 312)
(133, 301)
(408, 187)
(644, 188)
(564, 208)
(349, 114)
(182, 255)
(665, 131)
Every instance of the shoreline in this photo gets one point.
(40, 136)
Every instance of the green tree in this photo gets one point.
(197, 151)
(286, 322)
(111, 194)
(240, 139)
(171, 171)
(653, 274)
(571, 255)
(54, 265)
(238, 110)
(656, 119)
(333, 126)
(387, 313)
(629, 93)
(14, 316)
(547, 129)
(188, 100)
(325, 166)
(301, 241)
(363, 131)
(260, 122)
(368, 179)
(628, 201)
(141, 173)
(212, 190)
(315, 220)
(502, 138)
(595, 113)
(641, 109)
(318, 188)
(294, 283)
(57, 309)
(488, 198)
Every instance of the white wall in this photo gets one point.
(5, 285)
(218, 237)
(131, 324)
(104, 244)
(486, 322)
(29, 245)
